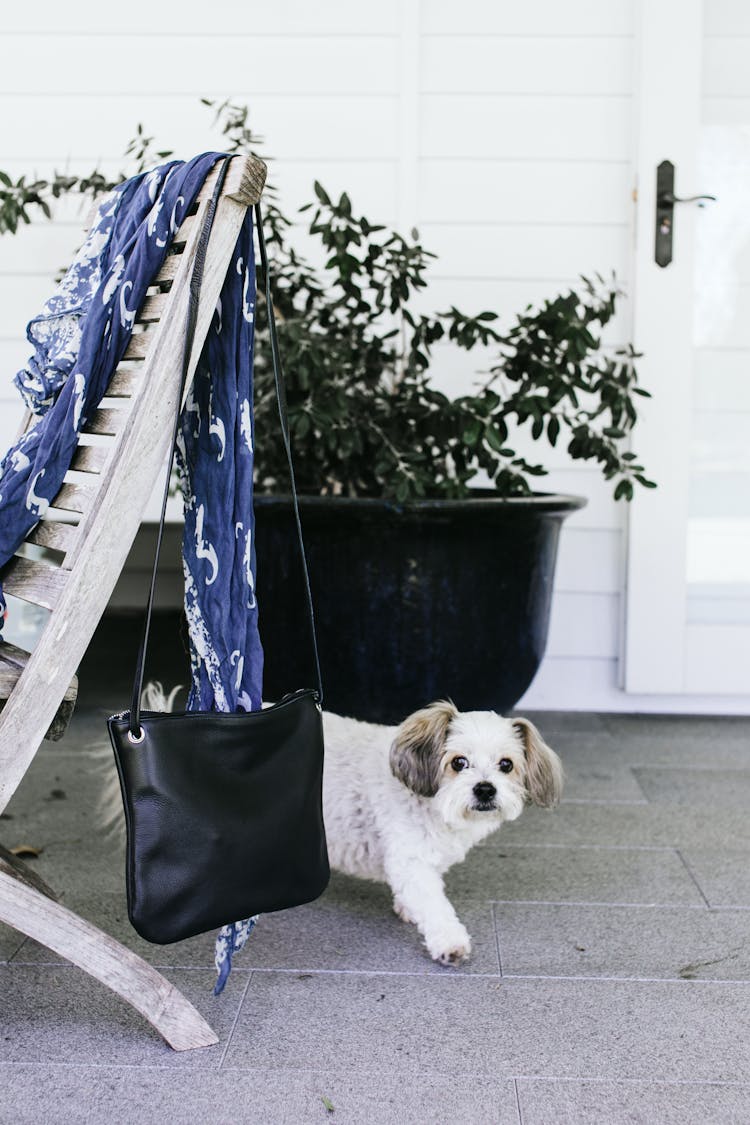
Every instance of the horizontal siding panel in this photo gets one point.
(544, 192)
(534, 17)
(372, 186)
(510, 250)
(536, 127)
(584, 625)
(297, 17)
(11, 416)
(317, 126)
(284, 64)
(43, 248)
(13, 354)
(589, 561)
(487, 64)
(508, 298)
(21, 298)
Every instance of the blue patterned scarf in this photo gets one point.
(79, 338)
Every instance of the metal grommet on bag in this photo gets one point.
(135, 739)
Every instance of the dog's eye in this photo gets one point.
(459, 763)
(506, 765)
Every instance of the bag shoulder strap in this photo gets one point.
(196, 278)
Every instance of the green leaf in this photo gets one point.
(322, 194)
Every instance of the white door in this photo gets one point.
(688, 613)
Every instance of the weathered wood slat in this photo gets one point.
(139, 345)
(105, 959)
(170, 267)
(33, 581)
(245, 181)
(184, 232)
(55, 534)
(74, 498)
(19, 870)
(105, 421)
(152, 308)
(125, 381)
(90, 458)
(13, 660)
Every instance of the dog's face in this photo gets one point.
(475, 763)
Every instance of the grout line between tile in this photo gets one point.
(584, 902)
(692, 876)
(689, 1082)
(354, 1072)
(519, 1111)
(625, 980)
(234, 1022)
(600, 801)
(582, 847)
(493, 915)
(633, 773)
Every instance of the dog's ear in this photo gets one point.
(544, 772)
(419, 746)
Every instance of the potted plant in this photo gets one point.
(425, 584)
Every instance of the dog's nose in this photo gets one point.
(484, 790)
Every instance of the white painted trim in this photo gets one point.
(669, 40)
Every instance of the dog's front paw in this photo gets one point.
(401, 910)
(451, 947)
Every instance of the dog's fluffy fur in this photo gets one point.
(404, 804)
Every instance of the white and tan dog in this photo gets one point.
(404, 804)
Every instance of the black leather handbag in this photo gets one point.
(223, 811)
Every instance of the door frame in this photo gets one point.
(669, 38)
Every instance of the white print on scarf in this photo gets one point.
(216, 426)
(33, 500)
(19, 462)
(246, 428)
(247, 309)
(80, 386)
(113, 281)
(204, 550)
(153, 219)
(127, 316)
(247, 559)
(237, 660)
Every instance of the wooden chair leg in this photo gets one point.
(166, 1009)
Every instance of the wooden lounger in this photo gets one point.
(88, 532)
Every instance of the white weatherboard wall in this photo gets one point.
(502, 130)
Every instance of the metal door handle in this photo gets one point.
(670, 197)
(665, 201)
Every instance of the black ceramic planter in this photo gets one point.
(414, 602)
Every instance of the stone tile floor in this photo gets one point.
(609, 982)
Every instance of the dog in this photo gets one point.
(403, 804)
